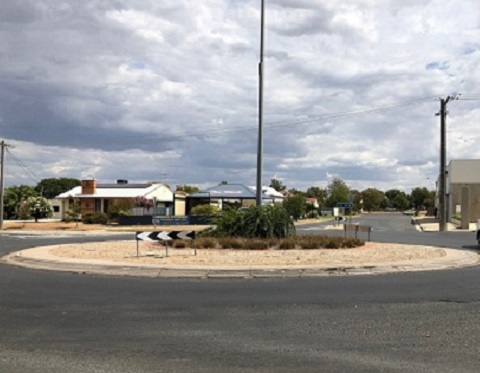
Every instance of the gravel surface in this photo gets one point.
(152, 253)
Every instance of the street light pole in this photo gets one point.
(442, 208)
(2, 180)
(260, 110)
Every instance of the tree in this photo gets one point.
(422, 198)
(52, 187)
(319, 193)
(13, 197)
(295, 192)
(295, 206)
(337, 192)
(190, 189)
(373, 199)
(73, 214)
(277, 185)
(35, 207)
(397, 199)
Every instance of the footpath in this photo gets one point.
(42, 258)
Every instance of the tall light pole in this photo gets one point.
(442, 185)
(2, 177)
(260, 109)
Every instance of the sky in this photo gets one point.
(167, 91)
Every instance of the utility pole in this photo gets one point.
(2, 175)
(442, 186)
(260, 110)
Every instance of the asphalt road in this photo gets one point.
(412, 322)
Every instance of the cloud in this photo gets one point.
(132, 89)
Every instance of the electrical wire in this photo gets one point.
(29, 173)
(312, 120)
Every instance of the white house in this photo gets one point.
(99, 197)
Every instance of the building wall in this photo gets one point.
(455, 199)
(87, 205)
(463, 171)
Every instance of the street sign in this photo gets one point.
(165, 235)
(345, 205)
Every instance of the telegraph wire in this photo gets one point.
(29, 172)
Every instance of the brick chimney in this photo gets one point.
(89, 186)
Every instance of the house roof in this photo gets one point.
(234, 191)
(113, 191)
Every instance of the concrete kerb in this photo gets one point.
(38, 258)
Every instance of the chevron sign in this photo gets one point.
(165, 235)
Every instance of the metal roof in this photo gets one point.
(233, 191)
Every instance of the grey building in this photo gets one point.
(463, 189)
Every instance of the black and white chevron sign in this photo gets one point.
(165, 235)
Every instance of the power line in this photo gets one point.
(23, 166)
(312, 120)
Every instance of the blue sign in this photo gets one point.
(345, 205)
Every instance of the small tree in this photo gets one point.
(295, 206)
(73, 214)
(36, 208)
(142, 202)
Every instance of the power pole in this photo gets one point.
(442, 185)
(2, 175)
(259, 193)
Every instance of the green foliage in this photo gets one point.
(97, 217)
(73, 214)
(52, 187)
(337, 192)
(13, 197)
(373, 199)
(36, 208)
(255, 221)
(397, 199)
(121, 207)
(204, 210)
(295, 206)
(319, 193)
(277, 185)
(422, 198)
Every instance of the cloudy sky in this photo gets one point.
(150, 90)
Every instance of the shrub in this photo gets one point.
(97, 217)
(179, 244)
(332, 243)
(230, 243)
(287, 244)
(255, 222)
(349, 243)
(206, 243)
(204, 210)
(257, 244)
(309, 242)
(121, 207)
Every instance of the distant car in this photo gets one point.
(409, 212)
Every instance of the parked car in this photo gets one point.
(409, 212)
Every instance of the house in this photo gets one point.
(95, 197)
(271, 194)
(463, 189)
(235, 195)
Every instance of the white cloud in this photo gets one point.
(125, 89)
